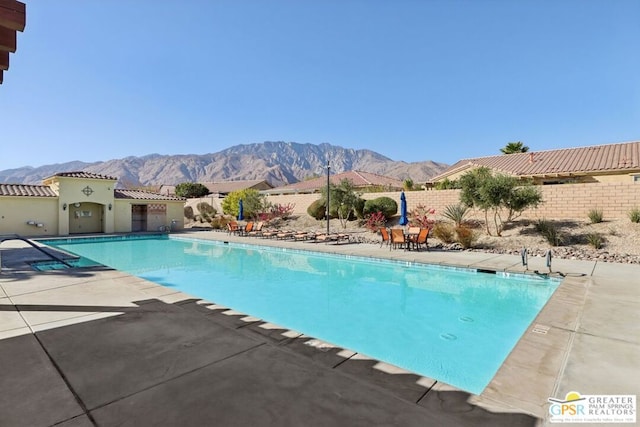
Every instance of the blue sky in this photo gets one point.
(413, 80)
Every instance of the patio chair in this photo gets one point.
(398, 239)
(285, 234)
(420, 239)
(247, 229)
(304, 235)
(257, 229)
(385, 236)
(232, 228)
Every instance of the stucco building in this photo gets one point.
(82, 202)
(599, 163)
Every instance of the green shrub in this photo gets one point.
(595, 216)
(634, 215)
(384, 204)
(443, 232)
(595, 239)
(317, 209)
(206, 208)
(465, 236)
(188, 212)
(550, 232)
(456, 213)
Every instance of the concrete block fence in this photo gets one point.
(561, 202)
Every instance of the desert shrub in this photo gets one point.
(384, 204)
(634, 215)
(595, 216)
(188, 212)
(595, 239)
(375, 221)
(550, 232)
(456, 213)
(219, 222)
(206, 208)
(466, 236)
(317, 209)
(282, 211)
(443, 232)
(419, 216)
(446, 184)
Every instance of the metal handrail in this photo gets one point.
(17, 237)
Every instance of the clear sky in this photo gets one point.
(414, 80)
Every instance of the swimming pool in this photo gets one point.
(453, 325)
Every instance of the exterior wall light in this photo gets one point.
(64, 206)
(110, 206)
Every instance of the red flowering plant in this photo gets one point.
(375, 221)
(282, 211)
(419, 217)
(276, 211)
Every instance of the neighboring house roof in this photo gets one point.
(226, 187)
(142, 195)
(597, 159)
(82, 174)
(358, 179)
(26, 190)
(167, 190)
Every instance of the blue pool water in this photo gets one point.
(453, 325)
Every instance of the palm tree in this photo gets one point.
(514, 147)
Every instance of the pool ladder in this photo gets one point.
(4, 237)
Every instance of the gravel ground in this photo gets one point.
(620, 239)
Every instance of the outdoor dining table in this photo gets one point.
(409, 237)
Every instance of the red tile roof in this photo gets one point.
(594, 159)
(26, 190)
(229, 186)
(142, 195)
(82, 174)
(358, 179)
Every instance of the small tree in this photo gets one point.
(497, 194)
(407, 184)
(190, 190)
(343, 200)
(252, 203)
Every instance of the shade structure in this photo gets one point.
(403, 210)
(240, 210)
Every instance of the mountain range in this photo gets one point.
(279, 163)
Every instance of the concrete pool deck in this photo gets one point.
(100, 347)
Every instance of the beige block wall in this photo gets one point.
(566, 201)
(23, 215)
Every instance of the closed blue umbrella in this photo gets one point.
(240, 211)
(403, 209)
